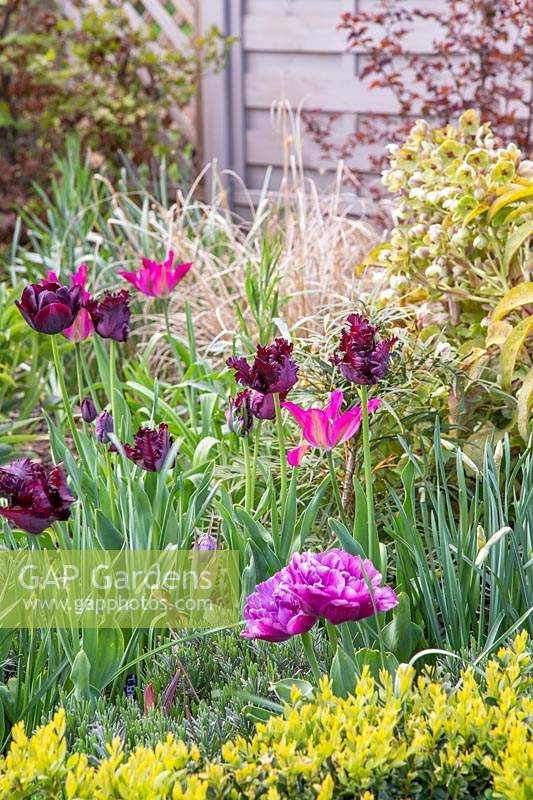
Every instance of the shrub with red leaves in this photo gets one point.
(481, 57)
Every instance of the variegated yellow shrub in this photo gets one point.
(407, 738)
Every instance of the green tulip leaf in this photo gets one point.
(401, 635)
(343, 674)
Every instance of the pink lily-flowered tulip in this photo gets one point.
(157, 280)
(82, 327)
(327, 427)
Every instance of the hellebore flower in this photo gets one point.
(88, 410)
(333, 585)
(49, 307)
(273, 613)
(111, 315)
(82, 327)
(151, 447)
(361, 357)
(326, 428)
(272, 371)
(239, 414)
(103, 426)
(157, 280)
(36, 496)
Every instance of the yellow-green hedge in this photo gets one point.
(411, 738)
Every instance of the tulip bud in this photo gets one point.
(104, 426)
(206, 541)
(88, 410)
(149, 697)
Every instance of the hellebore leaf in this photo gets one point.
(511, 348)
(521, 295)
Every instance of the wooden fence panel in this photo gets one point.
(291, 50)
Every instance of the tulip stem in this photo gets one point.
(256, 453)
(80, 380)
(282, 453)
(248, 475)
(112, 382)
(64, 395)
(170, 338)
(335, 487)
(309, 651)
(369, 489)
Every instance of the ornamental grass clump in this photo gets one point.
(408, 737)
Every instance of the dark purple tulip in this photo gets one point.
(361, 357)
(88, 410)
(239, 414)
(104, 425)
(272, 371)
(262, 405)
(36, 496)
(49, 307)
(273, 613)
(152, 446)
(111, 315)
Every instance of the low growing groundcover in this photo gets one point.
(397, 737)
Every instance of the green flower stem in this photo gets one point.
(88, 380)
(170, 338)
(80, 381)
(256, 454)
(376, 615)
(193, 356)
(333, 636)
(282, 453)
(335, 487)
(309, 651)
(248, 497)
(64, 395)
(373, 546)
(112, 385)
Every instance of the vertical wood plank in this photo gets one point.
(236, 110)
(215, 92)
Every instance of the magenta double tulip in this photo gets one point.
(36, 496)
(272, 613)
(82, 327)
(155, 279)
(333, 585)
(338, 586)
(326, 427)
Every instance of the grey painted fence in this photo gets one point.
(287, 50)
